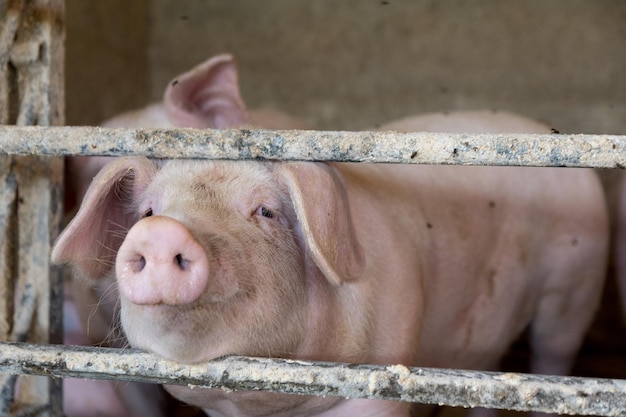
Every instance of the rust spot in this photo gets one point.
(492, 204)
(429, 225)
(574, 241)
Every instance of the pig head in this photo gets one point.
(344, 262)
(207, 96)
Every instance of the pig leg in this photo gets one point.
(570, 297)
(566, 310)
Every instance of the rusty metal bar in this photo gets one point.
(31, 92)
(514, 391)
(602, 151)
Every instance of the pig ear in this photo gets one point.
(321, 205)
(91, 240)
(207, 96)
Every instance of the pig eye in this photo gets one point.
(147, 213)
(265, 212)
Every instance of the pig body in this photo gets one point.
(343, 262)
(356, 263)
(468, 121)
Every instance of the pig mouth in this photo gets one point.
(176, 335)
(170, 312)
(201, 315)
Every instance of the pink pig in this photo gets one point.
(206, 96)
(472, 121)
(438, 266)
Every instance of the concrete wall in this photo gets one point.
(106, 58)
(358, 63)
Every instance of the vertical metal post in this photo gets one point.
(31, 294)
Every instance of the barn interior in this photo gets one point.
(356, 64)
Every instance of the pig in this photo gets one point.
(204, 96)
(359, 263)
(468, 121)
(207, 96)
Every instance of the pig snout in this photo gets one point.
(160, 262)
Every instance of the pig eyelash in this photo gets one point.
(265, 212)
(147, 213)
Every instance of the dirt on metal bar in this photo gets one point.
(31, 93)
(523, 392)
(600, 151)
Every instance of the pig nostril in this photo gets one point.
(140, 264)
(182, 264)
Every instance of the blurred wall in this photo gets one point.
(106, 58)
(359, 63)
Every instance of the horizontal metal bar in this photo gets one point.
(514, 391)
(602, 151)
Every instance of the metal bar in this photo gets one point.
(31, 92)
(602, 151)
(522, 392)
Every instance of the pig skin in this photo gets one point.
(360, 263)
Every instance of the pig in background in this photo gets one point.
(347, 262)
(207, 96)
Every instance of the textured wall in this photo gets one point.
(357, 63)
(106, 58)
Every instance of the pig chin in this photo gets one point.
(173, 332)
(201, 332)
